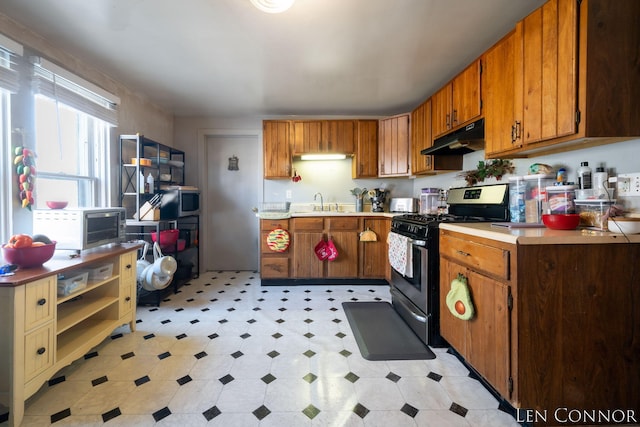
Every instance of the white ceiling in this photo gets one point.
(321, 57)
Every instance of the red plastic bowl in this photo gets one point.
(31, 256)
(167, 237)
(561, 221)
(56, 205)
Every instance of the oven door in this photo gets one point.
(414, 288)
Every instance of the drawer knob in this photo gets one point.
(463, 253)
(128, 267)
(41, 350)
(42, 301)
(127, 299)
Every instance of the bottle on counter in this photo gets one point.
(601, 181)
(584, 176)
(141, 183)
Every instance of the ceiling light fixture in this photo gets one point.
(272, 6)
(323, 157)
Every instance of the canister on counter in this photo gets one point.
(535, 196)
(517, 189)
(560, 199)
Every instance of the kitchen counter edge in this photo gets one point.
(537, 236)
(62, 262)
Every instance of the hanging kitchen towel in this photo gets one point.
(333, 251)
(459, 298)
(400, 254)
(322, 250)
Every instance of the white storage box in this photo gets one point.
(100, 272)
(69, 285)
(594, 212)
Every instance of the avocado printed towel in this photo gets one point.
(459, 299)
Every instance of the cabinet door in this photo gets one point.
(488, 335)
(441, 111)
(346, 265)
(499, 91)
(393, 144)
(365, 160)
(421, 138)
(452, 329)
(305, 262)
(466, 96)
(277, 151)
(549, 71)
(373, 255)
(38, 351)
(40, 302)
(307, 137)
(338, 136)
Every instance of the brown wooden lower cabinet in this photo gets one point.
(356, 259)
(557, 328)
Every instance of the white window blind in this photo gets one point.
(9, 53)
(65, 87)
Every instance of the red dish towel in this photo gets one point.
(333, 251)
(400, 254)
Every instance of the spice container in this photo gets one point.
(429, 200)
(593, 212)
(561, 199)
(535, 195)
(517, 188)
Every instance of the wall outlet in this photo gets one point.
(628, 184)
(288, 195)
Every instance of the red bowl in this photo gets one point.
(30, 256)
(57, 205)
(561, 221)
(167, 237)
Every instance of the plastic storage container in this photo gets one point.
(69, 285)
(593, 213)
(517, 189)
(535, 196)
(429, 200)
(100, 272)
(561, 199)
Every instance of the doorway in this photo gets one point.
(233, 185)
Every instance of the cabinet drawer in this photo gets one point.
(38, 351)
(274, 267)
(481, 257)
(349, 223)
(308, 224)
(127, 298)
(128, 266)
(270, 224)
(39, 302)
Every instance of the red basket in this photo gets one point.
(167, 237)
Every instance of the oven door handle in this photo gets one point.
(416, 316)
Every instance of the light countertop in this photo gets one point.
(537, 236)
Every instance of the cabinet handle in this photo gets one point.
(513, 133)
(448, 120)
(518, 129)
(128, 267)
(127, 299)
(455, 116)
(41, 350)
(459, 252)
(42, 301)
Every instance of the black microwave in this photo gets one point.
(179, 201)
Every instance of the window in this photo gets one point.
(73, 119)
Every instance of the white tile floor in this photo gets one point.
(226, 351)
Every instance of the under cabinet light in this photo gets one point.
(272, 6)
(323, 156)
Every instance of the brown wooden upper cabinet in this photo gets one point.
(458, 102)
(323, 136)
(571, 70)
(393, 146)
(365, 159)
(421, 139)
(276, 136)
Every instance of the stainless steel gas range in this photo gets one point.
(415, 260)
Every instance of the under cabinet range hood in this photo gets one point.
(462, 141)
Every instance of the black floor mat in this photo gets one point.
(381, 333)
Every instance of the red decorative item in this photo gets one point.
(167, 237)
(322, 250)
(333, 251)
(296, 177)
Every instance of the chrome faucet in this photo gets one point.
(315, 197)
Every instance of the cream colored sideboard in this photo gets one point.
(42, 332)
